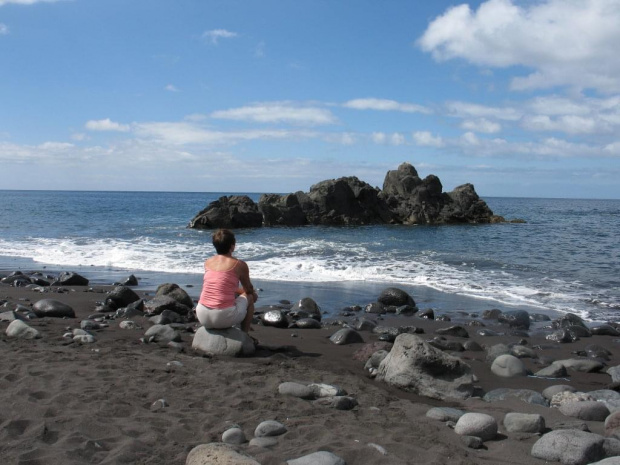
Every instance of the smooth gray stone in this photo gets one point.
(234, 436)
(10, 316)
(415, 366)
(608, 461)
(508, 366)
(128, 324)
(317, 458)
(588, 410)
(487, 333)
(568, 424)
(456, 331)
(269, 428)
(526, 395)
(480, 425)
(296, 390)
(472, 442)
(229, 342)
(445, 414)
(326, 390)
(495, 351)
(308, 323)
(375, 359)
(570, 447)
(552, 371)
(337, 402)
(346, 336)
(581, 364)
(265, 442)
(308, 306)
(549, 392)
(177, 293)
(604, 395)
(275, 318)
(20, 330)
(605, 330)
(520, 351)
(614, 372)
(89, 325)
(365, 324)
(472, 346)
(52, 308)
(612, 447)
(378, 448)
(162, 333)
(217, 452)
(85, 339)
(524, 423)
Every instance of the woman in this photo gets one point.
(223, 303)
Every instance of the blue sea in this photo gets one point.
(565, 258)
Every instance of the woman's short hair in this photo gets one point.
(223, 240)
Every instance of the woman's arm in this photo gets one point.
(244, 277)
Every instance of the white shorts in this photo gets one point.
(216, 318)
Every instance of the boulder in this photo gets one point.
(508, 366)
(174, 291)
(121, 296)
(317, 458)
(217, 453)
(567, 320)
(162, 333)
(570, 447)
(275, 318)
(20, 330)
(549, 392)
(346, 336)
(269, 428)
(526, 395)
(518, 319)
(480, 425)
(234, 211)
(585, 410)
(69, 278)
(158, 304)
(581, 364)
(445, 414)
(555, 370)
(231, 342)
(456, 331)
(306, 308)
(524, 423)
(415, 366)
(52, 308)
(396, 297)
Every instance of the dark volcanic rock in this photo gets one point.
(405, 199)
(69, 278)
(519, 319)
(52, 308)
(396, 297)
(174, 291)
(121, 296)
(234, 211)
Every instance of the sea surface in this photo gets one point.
(565, 258)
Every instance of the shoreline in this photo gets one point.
(67, 402)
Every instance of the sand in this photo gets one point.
(70, 403)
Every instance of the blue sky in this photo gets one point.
(520, 98)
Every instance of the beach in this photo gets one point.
(121, 400)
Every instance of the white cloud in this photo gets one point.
(378, 137)
(106, 125)
(4, 29)
(215, 35)
(397, 139)
(470, 138)
(426, 139)
(259, 50)
(565, 42)
(384, 105)
(278, 113)
(472, 110)
(26, 2)
(171, 88)
(570, 124)
(481, 125)
(187, 133)
(79, 136)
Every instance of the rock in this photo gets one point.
(549, 392)
(472, 442)
(579, 331)
(569, 424)
(158, 304)
(614, 372)
(607, 461)
(231, 342)
(472, 346)
(570, 447)
(526, 395)
(307, 323)
(567, 320)
(378, 448)
(264, 443)
(52, 308)
(20, 330)
(487, 333)
(162, 333)
(346, 336)
(491, 314)
(580, 364)
(456, 331)
(406, 310)
(166, 317)
(612, 447)
(555, 370)
(269, 428)
(564, 397)
(538, 317)
(524, 423)
(508, 366)
(562, 336)
(445, 414)
(495, 351)
(84, 338)
(130, 281)
(68, 278)
(121, 296)
(396, 297)
(428, 314)
(519, 319)
(415, 366)
(326, 390)
(585, 410)
(446, 345)
(90, 325)
(275, 318)
(234, 435)
(612, 424)
(605, 330)
(521, 351)
(174, 291)
(296, 390)
(217, 453)
(375, 360)
(337, 402)
(480, 425)
(234, 211)
(11, 316)
(375, 307)
(317, 458)
(365, 324)
(367, 350)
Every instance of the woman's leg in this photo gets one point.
(247, 321)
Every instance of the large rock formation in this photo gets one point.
(404, 199)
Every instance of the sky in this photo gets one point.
(519, 98)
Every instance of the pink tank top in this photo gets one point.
(218, 288)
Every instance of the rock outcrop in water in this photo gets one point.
(404, 199)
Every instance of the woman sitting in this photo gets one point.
(223, 303)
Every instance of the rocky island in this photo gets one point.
(405, 199)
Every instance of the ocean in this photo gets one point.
(565, 258)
